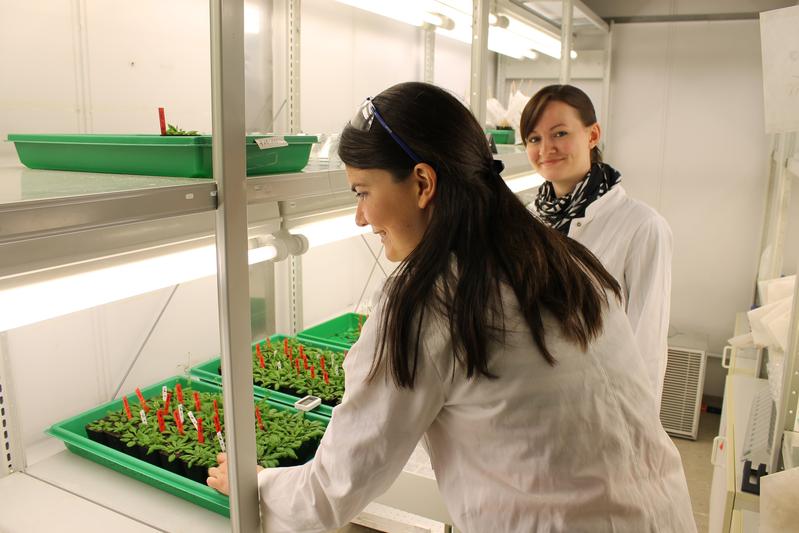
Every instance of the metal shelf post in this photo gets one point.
(479, 79)
(227, 96)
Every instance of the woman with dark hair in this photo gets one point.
(498, 341)
(582, 198)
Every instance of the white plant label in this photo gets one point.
(163, 393)
(221, 440)
(180, 413)
(143, 417)
(279, 366)
(193, 420)
(266, 143)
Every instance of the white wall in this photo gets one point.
(336, 278)
(686, 131)
(63, 366)
(97, 66)
(349, 54)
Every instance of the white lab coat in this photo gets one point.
(572, 448)
(633, 242)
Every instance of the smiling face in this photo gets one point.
(397, 211)
(559, 147)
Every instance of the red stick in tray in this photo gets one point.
(327, 378)
(297, 364)
(141, 401)
(217, 424)
(168, 401)
(258, 416)
(286, 346)
(304, 362)
(260, 355)
(322, 362)
(176, 416)
(162, 120)
(179, 392)
(216, 410)
(200, 436)
(313, 372)
(127, 407)
(269, 343)
(197, 401)
(161, 425)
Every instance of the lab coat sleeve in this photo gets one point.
(369, 439)
(647, 280)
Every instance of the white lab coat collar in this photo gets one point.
(613, 198)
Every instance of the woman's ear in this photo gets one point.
(426, 180)
(594, 135)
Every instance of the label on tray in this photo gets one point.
(143, 417)
(180, 413)
(221, 440)
(193, 420)
(163, 393)
(266, 143)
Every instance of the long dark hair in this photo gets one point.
(479, 222)
(568, 94)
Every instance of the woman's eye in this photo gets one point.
(561, 134)
(533, 140)
(360, 195)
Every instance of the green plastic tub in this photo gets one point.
(72, 431)
(153, 155)
(209, 372)
(503, 136)
(341, 332)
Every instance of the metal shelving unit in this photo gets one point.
(50, 220)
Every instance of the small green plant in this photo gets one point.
(174, 130)
(283, 437)
(293, 367)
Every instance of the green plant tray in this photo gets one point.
(209, 371)
(337, 332)
(152, 155)
(503, 136)
(72, 431)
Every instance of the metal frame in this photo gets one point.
(777, 205)
(12, 450)
(39, 218)
(293, 29)
(227, 98)
(479, 79)
(606, 88)
(429, 52)
(295, 295)
(789, 399)
(566, 41)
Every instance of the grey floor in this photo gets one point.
(696, 463)
(698, 470)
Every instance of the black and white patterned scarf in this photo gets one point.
(558, 213)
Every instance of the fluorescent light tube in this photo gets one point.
(330, 230)
(526, 182)
(34, 302)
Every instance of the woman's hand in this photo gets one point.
(217, 475)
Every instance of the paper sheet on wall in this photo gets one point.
(762, 319)
(779, 42)
(771, 290)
